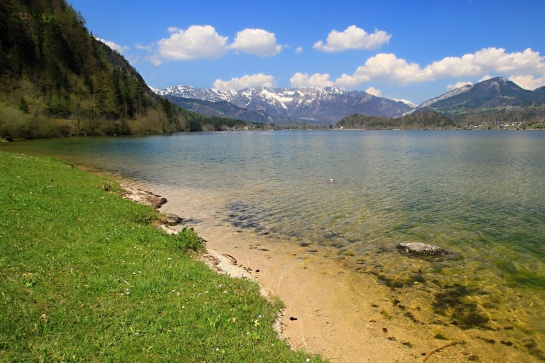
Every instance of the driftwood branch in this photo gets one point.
(439, 349)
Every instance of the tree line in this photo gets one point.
(414, 121)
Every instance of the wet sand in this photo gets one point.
(330, 308)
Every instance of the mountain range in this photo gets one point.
(329, 105)
(285, 105)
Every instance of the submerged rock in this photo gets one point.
(421, 249)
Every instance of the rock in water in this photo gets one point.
(421, 249)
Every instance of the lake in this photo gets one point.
(357, 195)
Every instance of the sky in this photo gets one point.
(398, 49)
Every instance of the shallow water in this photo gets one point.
(359, 193)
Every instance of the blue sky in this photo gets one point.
(413, 50)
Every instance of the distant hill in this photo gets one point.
(56, 79)
(300, 105)
(416, 121)
(494, 103)
(493, 93)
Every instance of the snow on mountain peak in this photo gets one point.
(446, 95)
(327, 104)
(407, 102)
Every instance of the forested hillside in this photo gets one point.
(56, 79)
(415, 121)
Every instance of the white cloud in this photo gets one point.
(528, 81)
(197, 42)
(459, 84)
(256, 42)
(315, 80)
(383, 67)
(114, 46)
(389, 68)
(147, 48)
(299, 50)
(486, 77)
(373, 91)
(255, 80)
(352, 38)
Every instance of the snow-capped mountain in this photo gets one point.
(407, 102)
(303, 104)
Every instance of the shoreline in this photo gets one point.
(330, 308)
(322, 313)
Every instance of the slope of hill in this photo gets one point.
(493, 93)
(56, 79)
(304, 104)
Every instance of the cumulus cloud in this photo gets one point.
(528, 81)
(196, 42)
(485, 78)
(315, 80)
(458, 85)
(114, 46)
(248, 81)
(352, 38)
(383, 67)
(256, 42)
(373, 91)
(389, 68)
(299, 50)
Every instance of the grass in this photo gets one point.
(85, 276)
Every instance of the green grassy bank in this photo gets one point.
(86, 276)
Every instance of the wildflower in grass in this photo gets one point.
(256, 322)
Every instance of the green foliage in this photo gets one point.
(188, 240)
(85, 276)
(52, 68)
(198, 122)
(423, 120)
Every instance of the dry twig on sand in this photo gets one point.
(439, 349)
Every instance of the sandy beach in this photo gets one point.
(329, 309)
